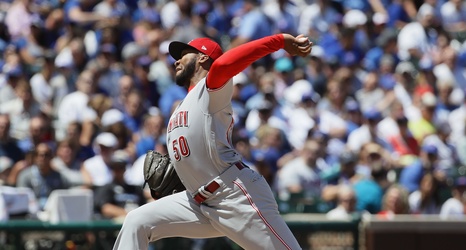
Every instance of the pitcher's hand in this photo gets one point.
(297, 46)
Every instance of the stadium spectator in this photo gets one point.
(97, 167)
(346, 207)
(48, 86)
(302, 174)
(67, 164)
(343, 173)
(74, 107)
(117, 198)
(395, 201)
(9, 148)
(410, 176)
(368, 132)
(426, 200)
(21, 109)
(41, 177)
(13, 73)
(454, 207)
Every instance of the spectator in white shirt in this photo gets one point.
(454, 207)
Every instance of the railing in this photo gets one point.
(312, 231)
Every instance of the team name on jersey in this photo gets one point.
(178, 120)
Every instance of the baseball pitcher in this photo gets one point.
(223, 197)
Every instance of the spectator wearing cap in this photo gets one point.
(358, 21)
(97, 168)
(117, 198)
(405, 75)
(454, 207)
(368, 132)
(114, 123)
(353, 115)
(411, 175)
(48, 86)
(301, 113)
(447, 157)
(239, 110)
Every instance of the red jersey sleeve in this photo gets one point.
(237, 59)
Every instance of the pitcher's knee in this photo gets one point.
(134, 221)
(143, 225)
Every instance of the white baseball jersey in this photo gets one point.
(199, 135)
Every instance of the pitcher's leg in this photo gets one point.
(249, 216)
(176, 215)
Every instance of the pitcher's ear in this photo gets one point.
(203, 58)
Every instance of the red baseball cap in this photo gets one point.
(203, 45)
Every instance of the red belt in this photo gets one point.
(213, 185)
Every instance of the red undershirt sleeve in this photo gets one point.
(237, 59)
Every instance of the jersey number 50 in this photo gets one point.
(180, 148)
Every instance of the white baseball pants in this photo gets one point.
(244, 210)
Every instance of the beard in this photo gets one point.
(184, 78)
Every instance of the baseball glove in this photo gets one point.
(161, 176)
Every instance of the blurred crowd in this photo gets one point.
(373, 121)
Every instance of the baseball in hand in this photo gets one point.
(303, 41)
